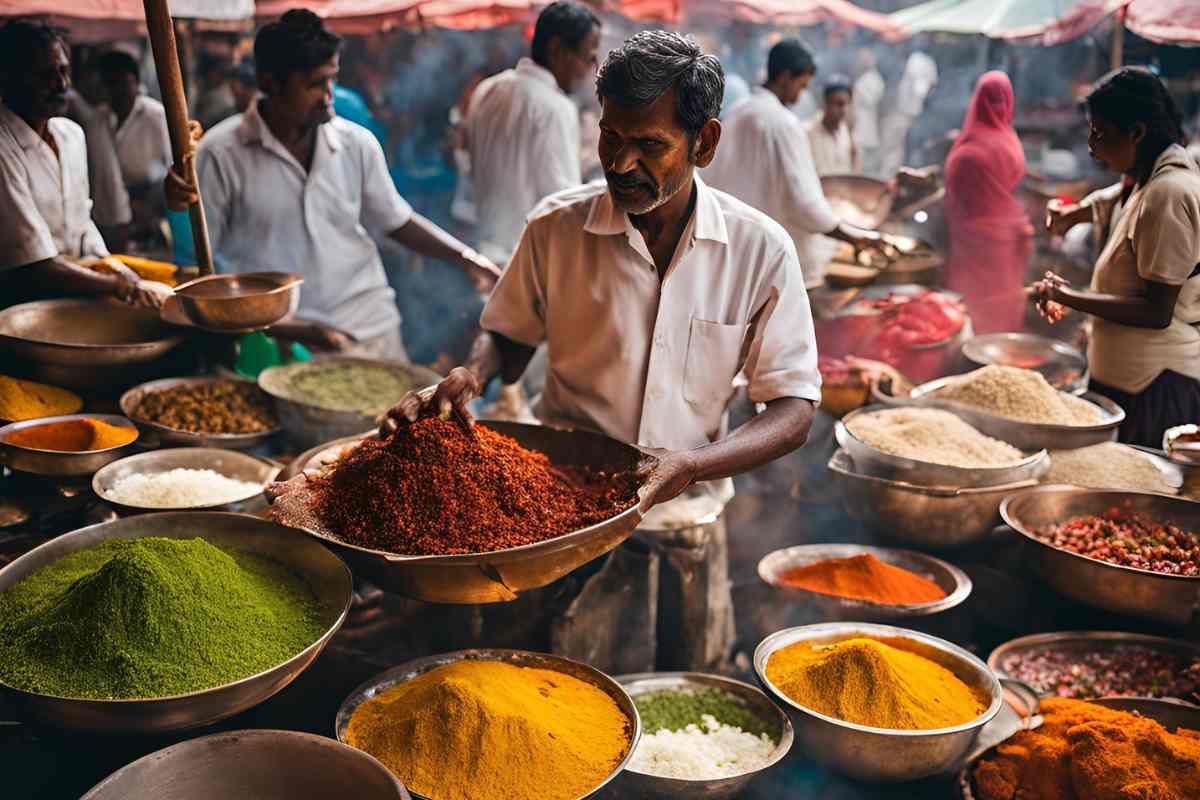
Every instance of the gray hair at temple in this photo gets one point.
(650, 64)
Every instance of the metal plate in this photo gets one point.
(87, 333)
(1064, 367)
(229, 463)
(59, 464)
(156, 434)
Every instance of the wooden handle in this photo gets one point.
(170, 81)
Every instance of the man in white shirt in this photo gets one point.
(46, 227)
(833, 148)
(522, 128)
(869, 90)
(765, 160)
(289, 186)
(919, 78)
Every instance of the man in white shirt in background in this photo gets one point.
(869, 90)
(765, 160)
(919, 78)
(833, 148)
(522, 128)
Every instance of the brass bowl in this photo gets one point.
(229, 463)
(57, 463)
(237, 302)
(155, 434)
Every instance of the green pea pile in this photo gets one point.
(675, 709)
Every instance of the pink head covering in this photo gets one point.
(987, 154)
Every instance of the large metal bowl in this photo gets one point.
(928, 517)
(1064, 367)
(308, 425)
(237, 302)
(881, 755)
(885, 465)
(1124, 590)
(521, 658)
(645, 786)
(155, 434)
(501, 574)
(949, 578)
(258, 764)
(858, 199)
(324, 572)
(57, 463)
(229, 463)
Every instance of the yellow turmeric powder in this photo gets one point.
(21, 400)
(488, 730)
(73, 436)
(873, 683)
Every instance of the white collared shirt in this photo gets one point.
(764, 159)
(142, 142)
(869, 90)
(265, 212)
(524, 140)
(833, 153)
(45, 209)
(652, 362)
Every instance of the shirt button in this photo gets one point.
(660, 340)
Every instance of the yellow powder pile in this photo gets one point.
(932, 435)
(1019, 394)
(21, 400)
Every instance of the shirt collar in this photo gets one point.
(253, 129)
(605, 219)
(26, 136)
(530, 68)
(762, 91)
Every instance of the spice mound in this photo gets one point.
(699, 734)
(1019, 394)
(1084, 751)
(229, 407)
(1128, 539)
(369, 389)
(152, 617)
(73, 436)
(21, 400)
(180, 488)
(1107, 465)
(1106, 671)
(931, 435)
(863, 577)
(488, 730)
(875, 683)
(435, 488)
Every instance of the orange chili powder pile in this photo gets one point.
(433, 488)
(863, 577)
(73, 436)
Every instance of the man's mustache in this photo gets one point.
(630, 180)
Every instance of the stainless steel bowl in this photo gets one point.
(309, 425)
(644, 786)
(238, 302)
(949, 578)
(56, 463)
(258, 764)
(1188, 458)
(501, 574)
(880, 755)
(521, 658)
(229, 463)
(1124, 590)
(155, 434)
(1064, 367)
(860, 200)
(323, 571)
(875, 462)
(928, 517)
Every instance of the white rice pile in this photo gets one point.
(180, 488)
(931, 435)
(1107, 466)
(1019, 394)
(716, 751)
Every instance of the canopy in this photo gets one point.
(103, 20)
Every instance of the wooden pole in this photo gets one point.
(170, 80)
(1118, 40)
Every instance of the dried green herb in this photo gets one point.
(366, 388)
(675, 709)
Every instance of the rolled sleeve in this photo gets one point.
(25, 238)
(1166, 238)
(782, 359)
(383, 209)
(517, 307)
(810, 210)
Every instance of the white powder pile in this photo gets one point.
(1019, 394)
(180, 488)
(1107, 466)
(702, 753)
(931, 435)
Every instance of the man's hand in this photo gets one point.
(326, 337)
(450, 396)
(666, 476)
(179, 192)
(1061, 217)
(140, 292)
(1046, 297)
(480, 269)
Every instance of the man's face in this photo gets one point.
(837, 106)
(795, 86)
(122, 89)
(578, 65)
(41, 93)
(308, 96)
(645, 154)
(243, 94)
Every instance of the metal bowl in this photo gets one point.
(324, 572)
(155, 434)
(1189, 458)
(1063, 366)
(929, 517)
(881, 755)
(949, 578)
(499, 575)
(858, 199)
(56, 463)
(229, 463)
(238, 302)
(885, 465)
(645, 786)
(521, 658)
(1087, 641)
(308, 425)
(1124, 590)
(259, 764)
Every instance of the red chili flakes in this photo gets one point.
(435, 489)
(1106, 672)
(1129, 539)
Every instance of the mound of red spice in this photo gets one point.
(433, 488)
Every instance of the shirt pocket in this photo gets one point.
(713, 352)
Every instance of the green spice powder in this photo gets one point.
(348, 387)
(137, 618)
(674, 710)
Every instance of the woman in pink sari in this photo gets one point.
(990, 234)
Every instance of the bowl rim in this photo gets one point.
(1058, 346)
(273, 469)
(287, 282)
(409, 370)
(112, 419)
(1114, 415)
(141, 390)
(768, 646)
(915, 488)
(174, 338)
(1168, 444)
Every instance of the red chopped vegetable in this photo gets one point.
(1129, 539)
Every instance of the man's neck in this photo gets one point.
(40, 125)
(296, 138)
(776, 90)
(123, 112)
(830, 125)
(662, 227)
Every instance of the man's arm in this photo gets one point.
(426, 238)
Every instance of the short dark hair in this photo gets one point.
(20, 40)
(117, 62)
(1132, 96)
(569, 22)
(651, 63)
(243, 71)
(791, 56)
(838, 83)
(297, 42)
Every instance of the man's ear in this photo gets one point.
(705, 148)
